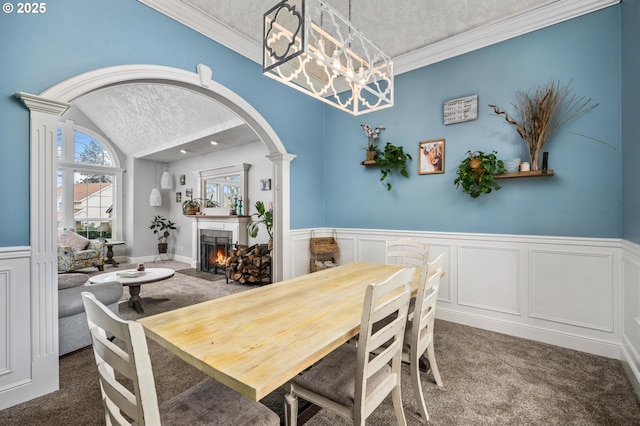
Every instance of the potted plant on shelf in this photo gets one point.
(372, 141)
(390, 159)
(191, 206)
(162, 227)
(233, 206)
(476, 173)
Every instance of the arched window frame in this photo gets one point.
(68, 167)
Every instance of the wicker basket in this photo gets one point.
(323, 250)
(313, 266)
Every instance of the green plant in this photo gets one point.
(476, 173)
(392, 158)
(192, 203)
(209, 202)
(263, 216)
(162, 227)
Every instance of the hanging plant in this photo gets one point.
(476, 173)
(390, 159)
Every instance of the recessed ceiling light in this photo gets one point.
(214, 143)
(183, 151)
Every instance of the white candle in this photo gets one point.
(524, 166)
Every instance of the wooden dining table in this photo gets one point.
(257, 340)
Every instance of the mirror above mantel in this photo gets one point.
(220, 185)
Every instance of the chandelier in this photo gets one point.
(311, 47)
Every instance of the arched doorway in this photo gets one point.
(44, 112)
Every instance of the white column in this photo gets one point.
(281, 214)
(44, 260)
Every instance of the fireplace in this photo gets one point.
(214, 251)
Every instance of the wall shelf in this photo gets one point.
(368, 163)
(534, 173)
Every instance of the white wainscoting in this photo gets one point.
(631, 312)
(16, 375)
(558, 290)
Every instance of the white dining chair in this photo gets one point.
(128, 389)
(352, 381)
(419, 336)
(419, 333)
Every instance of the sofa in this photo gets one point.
(73, 331)
(77, 252)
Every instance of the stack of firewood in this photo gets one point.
(249, 265)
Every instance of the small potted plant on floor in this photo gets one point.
(476, 173)
(162, 227)
(263, 216)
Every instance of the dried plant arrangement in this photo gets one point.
(540, 112)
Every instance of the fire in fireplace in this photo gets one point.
(214, 252)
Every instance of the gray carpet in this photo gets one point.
(490, 378)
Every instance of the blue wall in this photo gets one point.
(73, 37)
(631, 118)
(329, 186)
(583, 198)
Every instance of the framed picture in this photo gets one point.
(431, 155)
(182, 180)
(188, 193)
(265, 184)
(178, 197)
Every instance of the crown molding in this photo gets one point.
(208, 26)
(535, 19)
(554, 12)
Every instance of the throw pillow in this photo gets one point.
(75, 241)
(71, 280)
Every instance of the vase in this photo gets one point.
(371, 155)
(534, 155)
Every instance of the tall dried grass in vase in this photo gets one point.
(540, 112)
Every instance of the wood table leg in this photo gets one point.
(110, 258)
(134, 300)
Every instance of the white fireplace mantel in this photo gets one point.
(236, 224)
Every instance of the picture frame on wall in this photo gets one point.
(265, 184)
(182, 179)
(178, 197)
(431, 157)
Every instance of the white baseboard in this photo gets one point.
(630, 362)
(552, 337)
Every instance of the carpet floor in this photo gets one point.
(489, 378)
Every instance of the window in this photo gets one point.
(87, 196)
(220, 192)
(220, 186)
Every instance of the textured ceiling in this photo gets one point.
(397, 27)
(154, 122)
